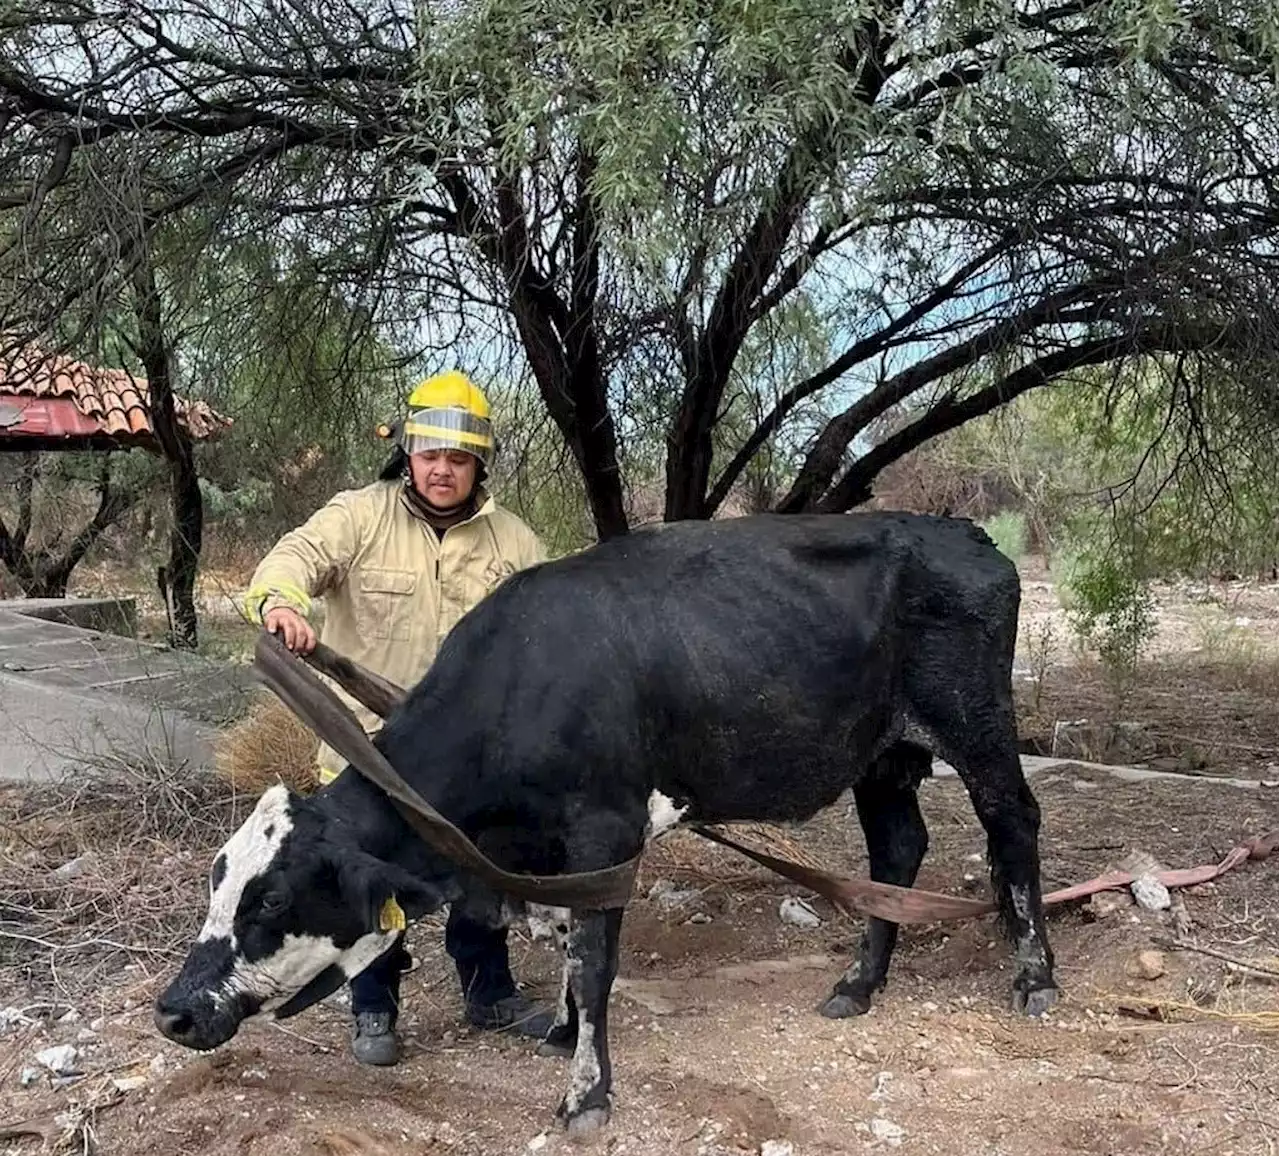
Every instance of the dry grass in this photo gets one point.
(141, 837)
(1171, 1010)
(73, 1130)
(1234, 1001)
(269, 745)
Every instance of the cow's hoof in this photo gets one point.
(840, 1006)
(1035, 1002)
(587, 1122)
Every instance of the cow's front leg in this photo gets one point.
(591, 962)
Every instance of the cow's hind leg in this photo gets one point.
(896, 843)
(591, 961)
(1010, 815)
(562, 1039)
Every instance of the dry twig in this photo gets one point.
(1241, 964)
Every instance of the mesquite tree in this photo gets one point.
(749, 228)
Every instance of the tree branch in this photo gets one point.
(824, 459)
(857, 353)
(52, 177)
(112, 506)
(854, 487)
(1105, 296)
(595, 426)
(690, 450)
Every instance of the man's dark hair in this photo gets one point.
(396, 465)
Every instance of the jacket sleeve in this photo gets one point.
(307, 561)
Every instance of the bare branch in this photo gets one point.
(861, 351)
(951, 413)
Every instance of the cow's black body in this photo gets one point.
(748, 669)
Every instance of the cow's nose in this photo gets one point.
(174, 1023)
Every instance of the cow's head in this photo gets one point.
(295, 910)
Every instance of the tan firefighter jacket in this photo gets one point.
(392, 590)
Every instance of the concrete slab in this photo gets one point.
(32, 656)
(49, 733)
(16, 631)
(70, 698)
(217, 695)
(1038, 764)
(100, 671)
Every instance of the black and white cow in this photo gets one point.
(743, 670)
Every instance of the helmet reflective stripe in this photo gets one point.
(442, 429)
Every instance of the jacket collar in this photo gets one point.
(485, 506)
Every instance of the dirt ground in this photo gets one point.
(1204, 696)
(717, 1047)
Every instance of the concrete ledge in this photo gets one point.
(1035, 764)
(110, 615)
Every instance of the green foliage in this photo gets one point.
(1008, 530)
(1112, 612)
(1221, 640)
(1164, 456)
(245, 502)
(1184, 460)
(1124, 477)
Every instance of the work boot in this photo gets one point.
(512, 1013)
(375, 1041)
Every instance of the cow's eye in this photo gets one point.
(274, 902)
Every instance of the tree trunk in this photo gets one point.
(49, 581)
(188, 507)
(184, 553)
(40, 573)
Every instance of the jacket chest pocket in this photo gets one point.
(496, 572)
(384, 603)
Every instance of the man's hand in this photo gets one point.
(295, 630)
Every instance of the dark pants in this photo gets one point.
(479, 953)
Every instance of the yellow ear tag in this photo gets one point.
(391, 917)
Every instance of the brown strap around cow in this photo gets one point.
(861, 896)
(330, 718)
(853, 896)
(368, 689)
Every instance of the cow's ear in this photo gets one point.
(369, 884)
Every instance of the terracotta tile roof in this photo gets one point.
(115, 402)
